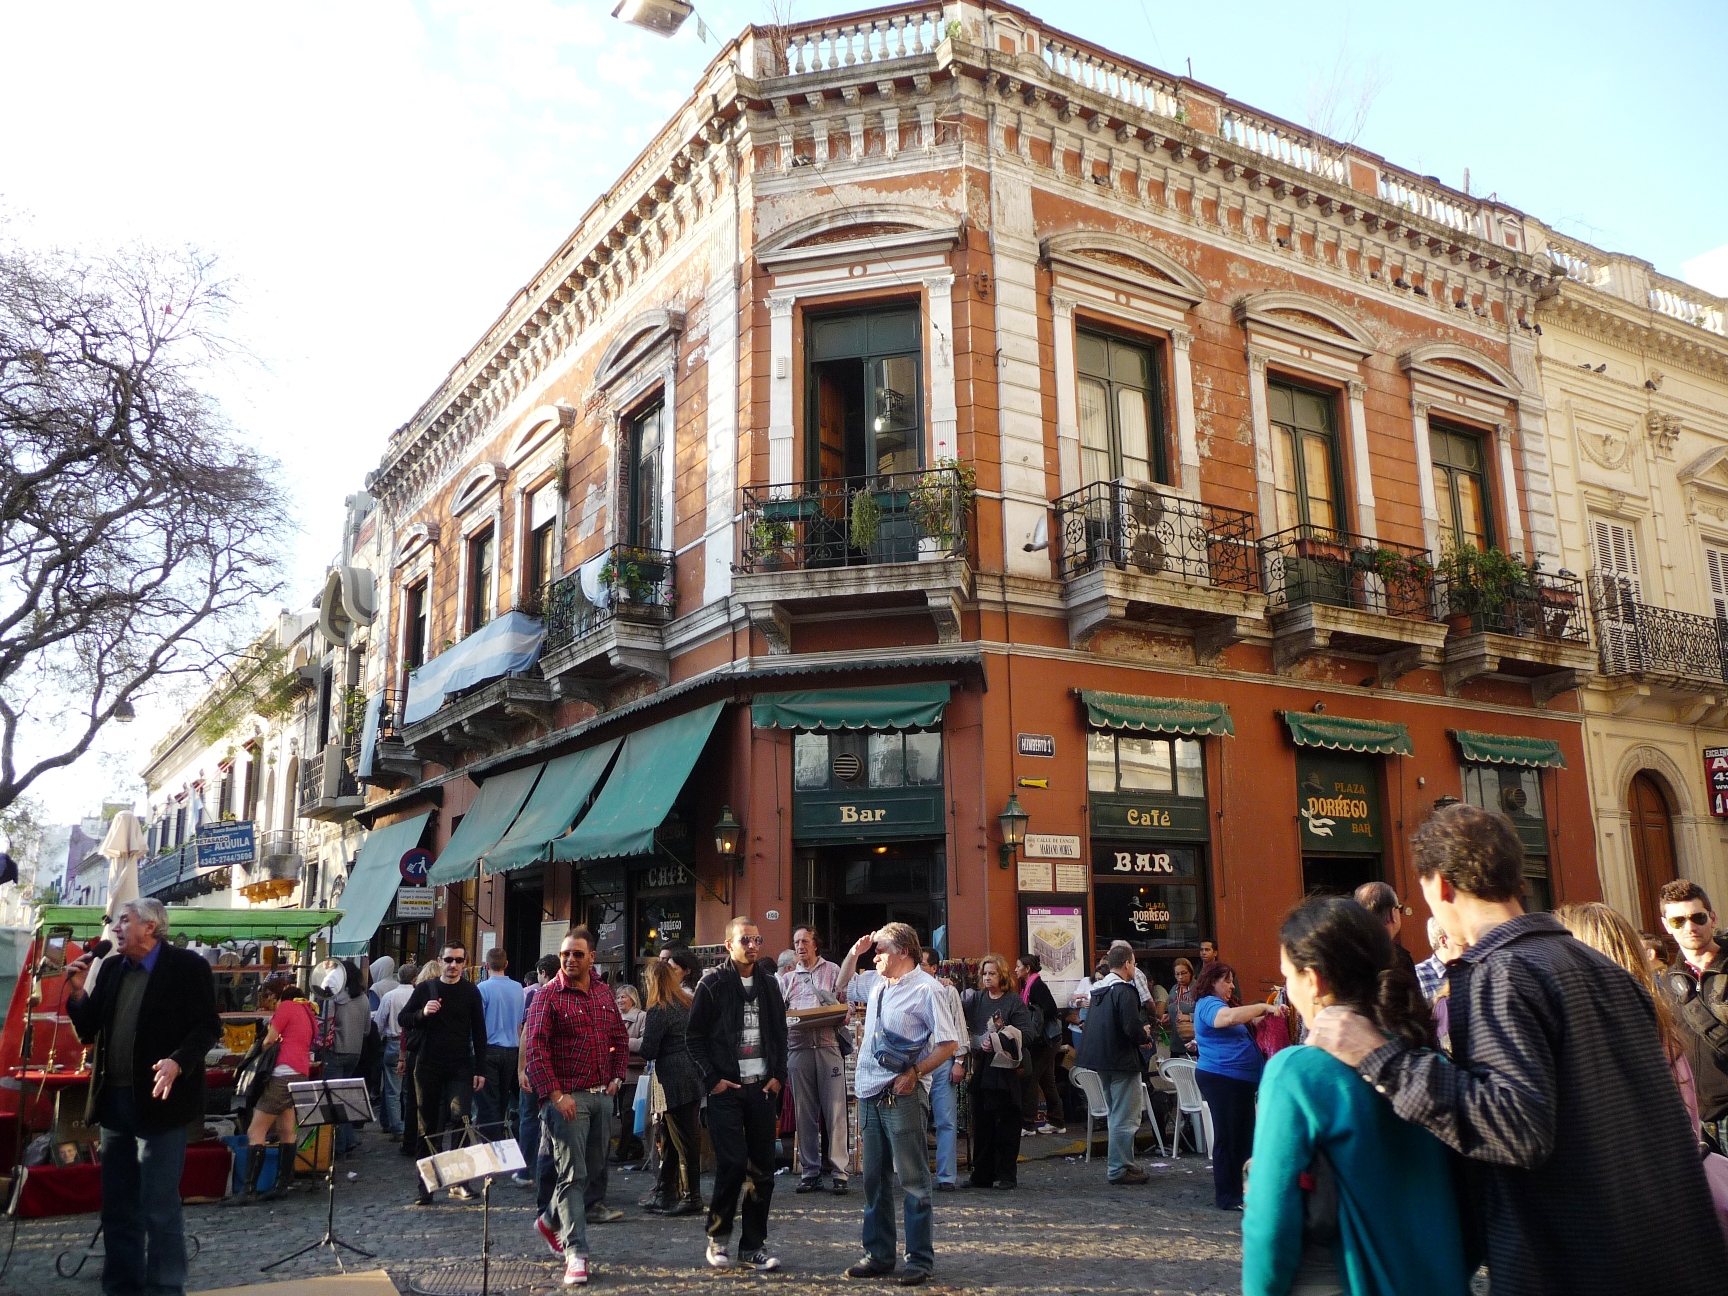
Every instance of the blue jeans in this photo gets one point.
(892, 1131)
(570, 1150)
(343, 1066)
(144, 1232)
(1122, 1090)
(391, 1087)
(942, 1111)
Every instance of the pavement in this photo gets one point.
(1063, 1230)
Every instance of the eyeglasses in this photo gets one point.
(749, 940)
(454, 958)
(1697, 919)
(573, 954)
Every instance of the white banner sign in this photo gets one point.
(1048, 846)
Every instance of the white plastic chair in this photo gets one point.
(1097, 1105)
(1152, 1119)
(1189, 1103)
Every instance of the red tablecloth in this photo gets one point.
(77, 1189)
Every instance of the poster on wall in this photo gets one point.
(1716, 770)
(1057, 935)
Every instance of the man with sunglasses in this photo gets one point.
(1699, 985)
(451, 1018)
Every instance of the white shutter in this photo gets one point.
(1717, 562)
(1620, 593)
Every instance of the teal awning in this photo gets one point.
(372, 882)
(488, 819)
(1156, 714)
(648, 775)
(556, 801)
(897, 706)
(1342, 733)
(1509, 749)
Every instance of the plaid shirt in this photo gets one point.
(574, 1040)
(1430, 975)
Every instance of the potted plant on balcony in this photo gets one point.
(1318, 546)
(632, 575)
(770, 537)
(939, 503)
(866, 518)
(1479, 583)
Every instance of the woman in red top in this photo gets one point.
(292, 1025)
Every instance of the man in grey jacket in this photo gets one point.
(1110, 1045)
(1580, 1157)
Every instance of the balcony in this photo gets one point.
(275, 871)
(1132, 556)
(476, 695)
(393, 764)
(857, 546)
(1657, 652)
(328, 789)
(608, 627)
(1508, 619)
(1332, 591)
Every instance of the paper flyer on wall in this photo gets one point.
(1057, 935)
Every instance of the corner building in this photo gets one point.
(942, 410)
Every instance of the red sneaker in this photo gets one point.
(575, 1271)
(549, 1235)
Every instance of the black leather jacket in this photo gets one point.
(717, 1021)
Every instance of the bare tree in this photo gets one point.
(137, 534)
(1338, 106)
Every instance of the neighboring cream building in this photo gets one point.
(1634, 372)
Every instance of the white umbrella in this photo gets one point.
(124, 846)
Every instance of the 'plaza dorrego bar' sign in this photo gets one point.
(1338, 802)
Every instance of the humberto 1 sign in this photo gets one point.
(414, 866)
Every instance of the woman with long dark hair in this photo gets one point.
(676, 1088)
(1040, 1074)
(1344, 1196)
(995, 1087)
(1227, 1065)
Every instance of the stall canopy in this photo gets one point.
(1156, 714)
(372, 881)
(487, 820)
(506, 645)
(897, 706)
(649, 773)
(1508, 749)
(1341, 733)
(206, 926)
(557, 799)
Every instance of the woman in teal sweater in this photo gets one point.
(1397, 1231)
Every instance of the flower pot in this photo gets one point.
(1316, 550)
(1459, 624)
(772, 561)
(933, 548)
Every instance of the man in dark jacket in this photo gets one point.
(737, 1039)
(1558, 1089)
(1110, 1045)
(1698, 987)
(152, 1018)
(451, 1018)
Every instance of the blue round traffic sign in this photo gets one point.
(415, 865)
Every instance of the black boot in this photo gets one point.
(286, 1156)
(689, 1204)
(254, 1166)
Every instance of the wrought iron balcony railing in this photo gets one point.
(1312, 564)
(1134, 528)
(632, 582)
(1635, 638)
(856, 521)
(1537, 605)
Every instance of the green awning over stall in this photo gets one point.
(372, 882)
(648, 775)
(897, 706)
(207, 926)
(1341, 733)
(1508, 749)
(556, 801)
(1156, 714)
(487, 820)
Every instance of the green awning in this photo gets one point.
(898, 706)
(1156, 714)
(207, 926)
(487, 820)
(557, 799)
(1341, 733)
(1509, 749)
(648, 775)
(372, 881)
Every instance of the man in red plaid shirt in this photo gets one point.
(576, 1050)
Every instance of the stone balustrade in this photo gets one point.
(878, 39)
(1283, 144)
(1432, 202)
(1110, 77)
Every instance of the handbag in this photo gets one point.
(253, 1074)
(1319, 1184)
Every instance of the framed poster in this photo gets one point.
(1057, 935)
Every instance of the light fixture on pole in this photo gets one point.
(728, 832)
(662, 17)
(1013, 821)
(124, 712)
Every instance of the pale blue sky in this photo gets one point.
(380, 176)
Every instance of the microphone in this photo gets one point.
(100, 949)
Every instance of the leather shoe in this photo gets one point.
(1132, 1175)
(868, 1268)
(913, 1278)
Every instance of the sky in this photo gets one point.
(379, 177)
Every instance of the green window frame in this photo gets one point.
(482, 575)
(646, 430)
(1516, 792)
(1307, 476)
(1120, 409)
(1460, 460)
(1136, 763)
(864, 394)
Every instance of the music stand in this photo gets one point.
(327, 1102)
(475, 1157)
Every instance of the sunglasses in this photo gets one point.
(749, 940)
(1697, 919)
(451, 958)
(573, 954)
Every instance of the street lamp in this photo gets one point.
(124, 712)
(662, 17)
(727, 834)
(1013, 821)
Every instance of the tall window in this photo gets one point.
(644, 436)
(1516, 792)
(480, 577)
(1304, 457)
(1119, 762)
(1460, 488)
(414, 626)
(1617, 556)
(864, 406)
(1120, 433)
(1716, 561)
(542, 521)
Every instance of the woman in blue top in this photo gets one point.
(1397, 1231)
(1228, 1069)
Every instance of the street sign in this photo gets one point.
(1716, 777)
(414, 866)
(1035, 744)
(414, 902)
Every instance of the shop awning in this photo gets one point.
(1508, 749)
(551, 809)
(648, 775)
(1341, 733)
(1156, 714)
(372, 881)
(897, 706)
(207, 926)
(487, 820)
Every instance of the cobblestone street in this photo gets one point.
(1064, 1230)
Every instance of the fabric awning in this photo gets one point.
(505, 645)
(556, 801)
(372, 881)
(897, 706)
(487, 820)
(1156, 714)
(648, 775)
(1341, 733)
(206, 925)
(1508, 749)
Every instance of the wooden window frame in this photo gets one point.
(1156, 434)
(1341, 502)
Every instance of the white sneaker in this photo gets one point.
(575, 1271)
(1047, 1128)
(718, 1256)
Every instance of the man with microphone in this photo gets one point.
(452, 1019)
(152, 1018)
